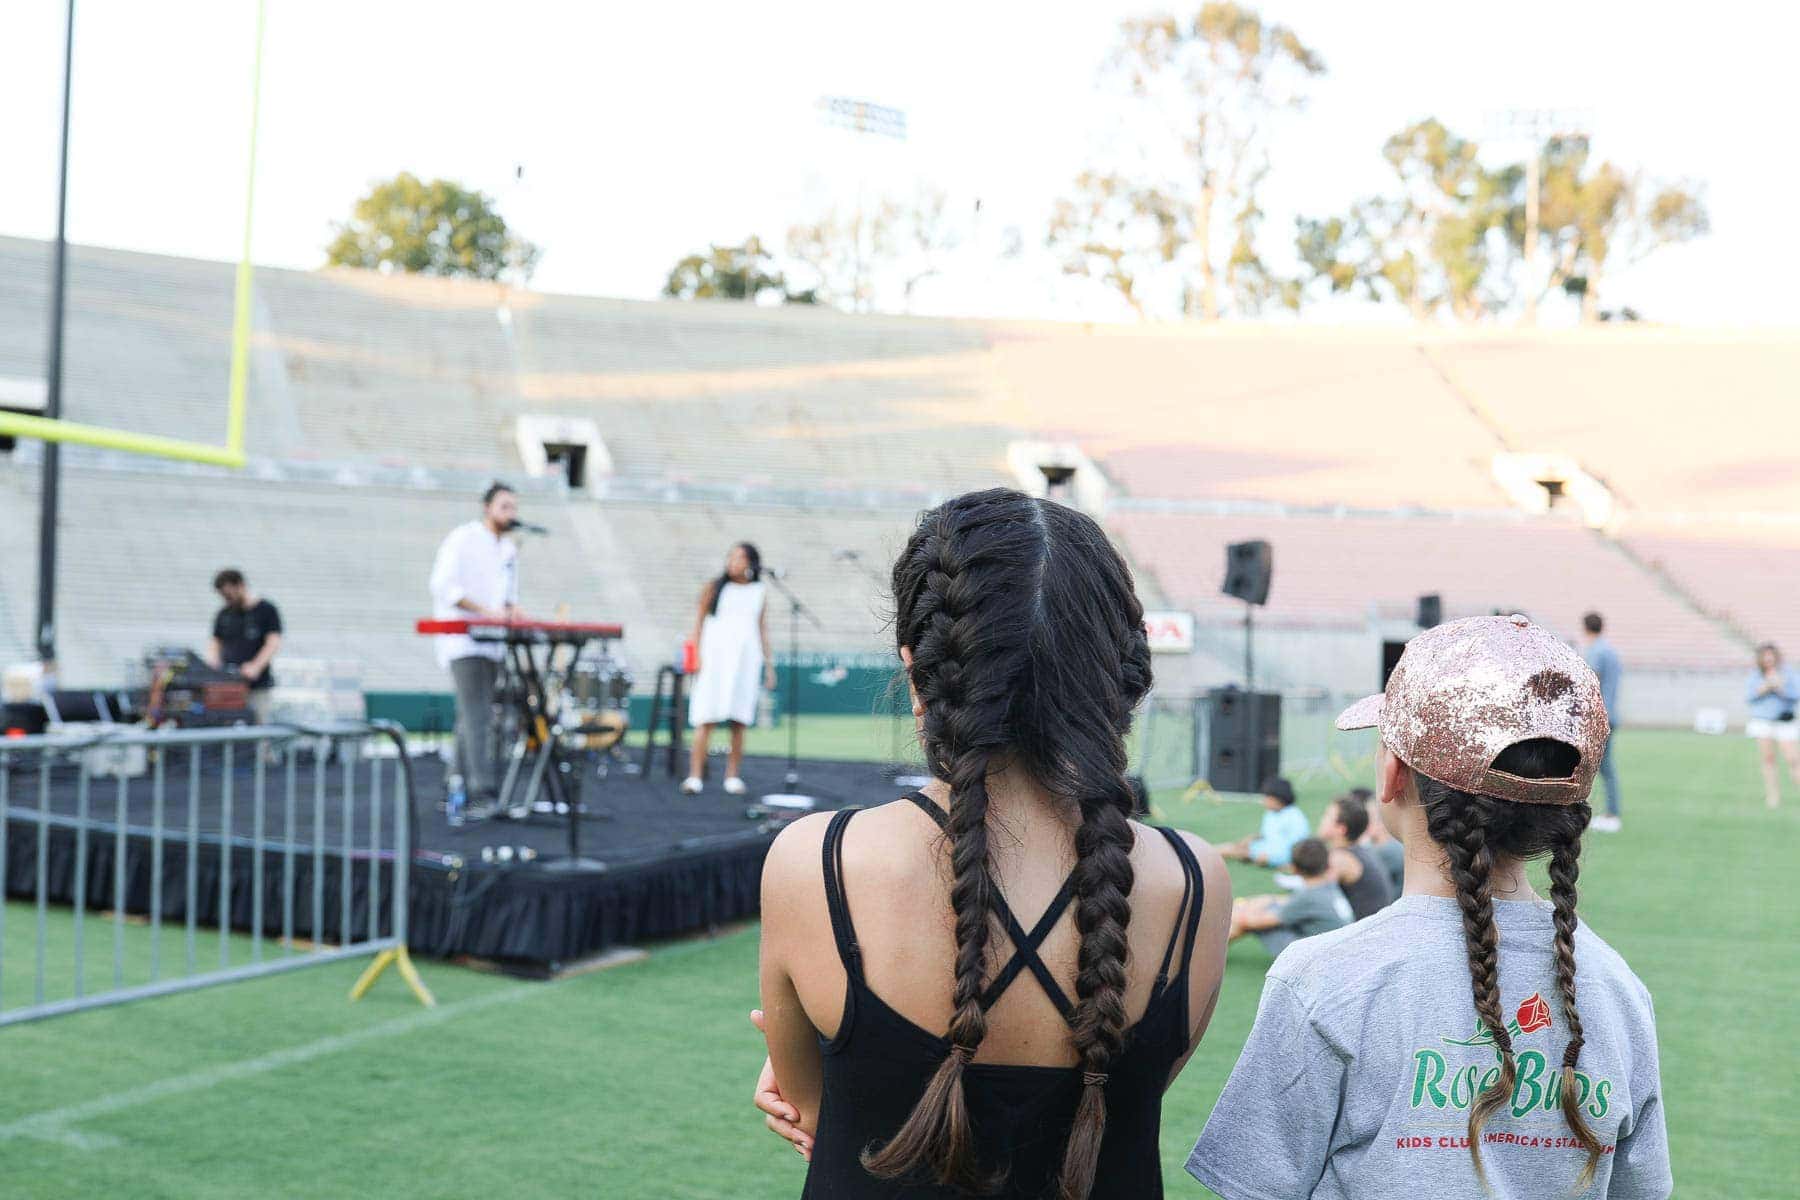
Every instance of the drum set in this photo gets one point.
(595, 702)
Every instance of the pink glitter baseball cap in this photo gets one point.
(1466, 690)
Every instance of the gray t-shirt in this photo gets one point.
(1315, 908)
(1367, 1053)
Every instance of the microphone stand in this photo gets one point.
(795, 609)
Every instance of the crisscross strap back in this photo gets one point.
(1025, 954)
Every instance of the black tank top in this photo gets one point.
(1374, 891)
(877, 1066)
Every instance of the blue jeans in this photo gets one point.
(1609, 775)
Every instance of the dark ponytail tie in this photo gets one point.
(965, 1053)
(1571, 1054)
(1093, 1079)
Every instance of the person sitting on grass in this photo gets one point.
(1388, 849)
(1282, 825)
(1318, 906)
(1354, 867)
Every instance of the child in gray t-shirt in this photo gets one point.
(1317, 906)
(1471, 1041)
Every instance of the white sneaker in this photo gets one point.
(1606, 824)
(691, 786)
(734, 786)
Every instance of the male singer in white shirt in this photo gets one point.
(476, 575)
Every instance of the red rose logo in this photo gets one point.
(1533, 1015)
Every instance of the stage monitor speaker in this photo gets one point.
(1243, 738)
(1431, 611)
(1249, 567)
(1390, 658)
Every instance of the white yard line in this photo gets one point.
(57, 1124)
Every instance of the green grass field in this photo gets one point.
(634, 1082)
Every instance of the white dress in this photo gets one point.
(731, 658)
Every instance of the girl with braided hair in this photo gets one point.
(1442, 1046)
(913, 1054)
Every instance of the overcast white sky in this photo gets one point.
(648, 130)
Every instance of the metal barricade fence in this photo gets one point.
(299, 837)
(1174, 739)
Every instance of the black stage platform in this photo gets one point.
(655, 863)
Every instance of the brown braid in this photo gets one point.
(1474, 831)
(1103, 883)
(964, 712)
(1564, 867)
(1464, 840)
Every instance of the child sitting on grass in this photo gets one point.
(1282, 826)
(1319, 905)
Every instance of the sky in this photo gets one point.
(646, 131)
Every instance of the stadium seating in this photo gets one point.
(380, 404)
(348, 567)
(1745, 570)
(1674, 421)
(1336, 571)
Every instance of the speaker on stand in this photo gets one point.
(1243, 748)
(1244, 729)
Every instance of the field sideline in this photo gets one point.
(634, 1082)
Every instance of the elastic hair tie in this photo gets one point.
(1093, 1079)
(965, 1053)
(1571, 1054)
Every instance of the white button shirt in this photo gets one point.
(472, 564)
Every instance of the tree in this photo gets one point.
(852, 252)
(729, 273)
(840, 248)
(1114, 232)
(1436, 243)
(1203, 93)
(1606, 217)
(1452, 233)
(435, 228)
(924, 234)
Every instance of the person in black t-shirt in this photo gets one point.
(245, 638)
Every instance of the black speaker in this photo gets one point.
(1431, 611)
(1248, 568)
(1243, 732)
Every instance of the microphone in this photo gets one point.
(524, 527)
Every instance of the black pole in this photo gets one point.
(793, 714)
(48, 501)
(1253, 720)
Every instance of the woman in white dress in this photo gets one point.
(732, 633)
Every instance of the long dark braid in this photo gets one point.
(1565, 866)
(1464, 839)
(1027, 648)
(1103, 882)
(1474, 831)
(948, 581)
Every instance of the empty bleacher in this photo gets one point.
(1674, 421)
(380, 404)
(1746, 571)
(1360, 571)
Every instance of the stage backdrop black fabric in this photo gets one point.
(658, 863)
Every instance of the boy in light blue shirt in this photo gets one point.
(1283, 825)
